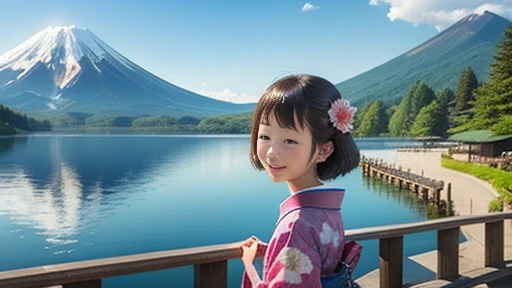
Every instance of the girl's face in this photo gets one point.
(285, 155)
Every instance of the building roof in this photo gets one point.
(477, 136)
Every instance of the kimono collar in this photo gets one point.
(322, 198)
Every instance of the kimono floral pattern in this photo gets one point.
(307, 242)
(328, 235)
(295, 264)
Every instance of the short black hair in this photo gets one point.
(308, 99)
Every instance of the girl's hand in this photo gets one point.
(249, 248)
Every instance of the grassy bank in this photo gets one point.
(499, 179)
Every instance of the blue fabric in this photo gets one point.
(341, 279)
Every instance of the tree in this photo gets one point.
(427, 123)
(421, 97)
(503, 127)
(493, 99)
(418, 96)
(374, 121)
(13, 119)
(464, 94)
(154, 121)
(445, 97)
(189, 120)
(446, 100)
(360, 114)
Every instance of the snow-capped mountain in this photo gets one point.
(70, 69)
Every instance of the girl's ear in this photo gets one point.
(326, 150)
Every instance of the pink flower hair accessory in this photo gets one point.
(341, 115)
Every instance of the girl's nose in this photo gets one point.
(272, 153)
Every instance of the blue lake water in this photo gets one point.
(76, 197)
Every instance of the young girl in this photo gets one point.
(301, 135)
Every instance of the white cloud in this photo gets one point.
(230, 96)
(308, 7)
(441, 13)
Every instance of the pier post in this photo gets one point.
(449, 200)
(438, 196)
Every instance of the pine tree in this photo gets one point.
(446, 100)
(504, 126)
(493, 99)
(421, 97)
(10, 119)
(464, 94)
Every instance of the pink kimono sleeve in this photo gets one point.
(293, 260)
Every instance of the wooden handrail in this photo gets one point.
(211, 261)
(390, 231)
(114, 266)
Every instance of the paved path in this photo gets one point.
(470, 196)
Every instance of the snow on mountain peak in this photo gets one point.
(60, 48)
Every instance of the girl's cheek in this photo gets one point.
(291, 151)
(261, 149)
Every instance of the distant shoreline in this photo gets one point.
(164, 131)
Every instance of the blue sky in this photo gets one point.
(233, 50)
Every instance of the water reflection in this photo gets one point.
(53, 209)
(401, 196)
(62, 189)
(61, 184)
(7, 143)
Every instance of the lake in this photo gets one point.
(76, 197)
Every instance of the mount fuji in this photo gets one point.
(69, 69)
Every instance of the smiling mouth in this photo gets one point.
(276, 167)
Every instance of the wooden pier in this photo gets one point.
(425, 187)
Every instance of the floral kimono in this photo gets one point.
(307, 243)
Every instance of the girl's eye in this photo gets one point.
(290, 141)
(264, 137)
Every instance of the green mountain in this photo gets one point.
(438, 62)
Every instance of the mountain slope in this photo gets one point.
(438, 62)
(70, 69)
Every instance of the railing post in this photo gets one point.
(391, 262)
(211, 275)
(494, 244)
(448, 253)
(96, 283)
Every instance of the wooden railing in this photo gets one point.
(210, 262)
